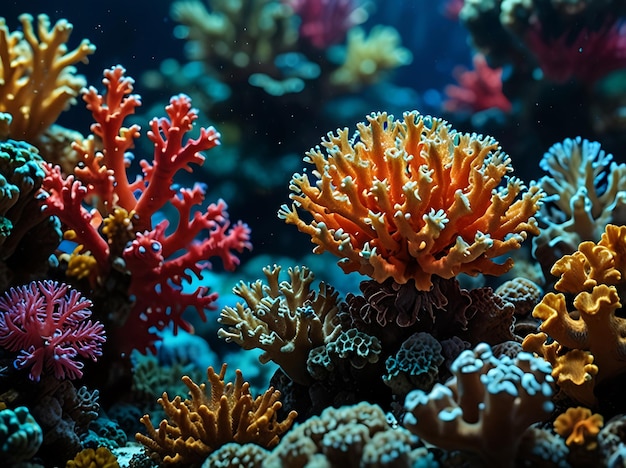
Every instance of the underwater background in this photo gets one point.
(289, 233)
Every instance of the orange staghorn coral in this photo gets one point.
(594, 331)
(228, 413)
(579, 426)
(412, 198)
(37, 75)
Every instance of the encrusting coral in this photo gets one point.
(586, 344)
(412, 198)
(486, 408)
(285, 319)
(227, 413)
(90, 458)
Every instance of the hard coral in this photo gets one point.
(47, 324)
(486, 408)
(586, 190)
(286, 320)
(595, 327)
(579, 426)
(90, 458)
(119, 233)
(228, 413)
(412, 198)
(20, 435)
(37, 77)
(27, 235)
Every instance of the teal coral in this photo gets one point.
(486, 408)
(27, 236)
(586, 191)
(20, 435)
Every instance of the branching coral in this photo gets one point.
(285, 319)
(369, 57)
(486, 408)
(586, 191)
(477, 90)
(37, 75)
(47, 324)
(119, 233)
(594, 331)
(228, 413)
(412, 198)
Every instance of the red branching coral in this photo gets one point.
(119, 233)
(47, 323)
(478, 89)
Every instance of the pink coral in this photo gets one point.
(325, 22)
(47, 323)
(586, 55)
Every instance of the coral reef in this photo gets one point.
(412, 198)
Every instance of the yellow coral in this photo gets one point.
(285, 319)
(90, 458)
(37, 76)
(368, 58)
(579, 426)
(595, 326)
(228, 413)
(413, 198)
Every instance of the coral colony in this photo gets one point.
(486, 326)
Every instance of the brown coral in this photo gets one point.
(228, 413)
(285, 319)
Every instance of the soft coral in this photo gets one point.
(47, 322)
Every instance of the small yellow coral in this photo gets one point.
(80, 264)
(228, 413)
(579, 426)
(90, 458)
(412, 198)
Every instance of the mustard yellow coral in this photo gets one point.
(593, 330)
(227, 413)
(37, 75)
(412, 198)
(579, 426)
(90, 458)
